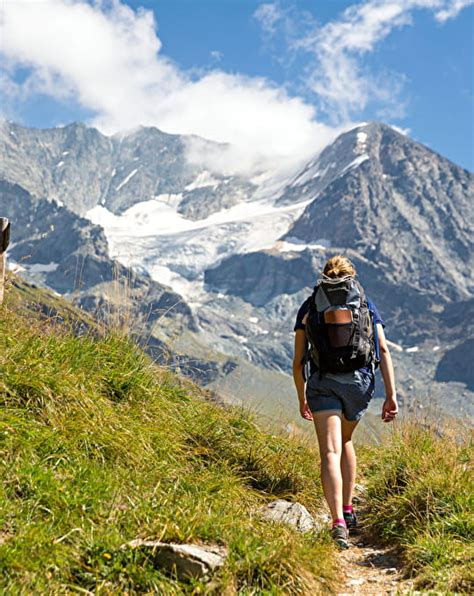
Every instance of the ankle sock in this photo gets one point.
(348, 509)
(339, 522)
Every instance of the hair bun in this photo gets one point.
(339, 266)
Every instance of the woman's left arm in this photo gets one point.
(390, 405)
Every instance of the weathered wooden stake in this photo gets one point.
(4, 241)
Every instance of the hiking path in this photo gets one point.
(369, 567)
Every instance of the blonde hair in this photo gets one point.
(339, 266)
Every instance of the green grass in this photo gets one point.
(420, 499)
(98, 446)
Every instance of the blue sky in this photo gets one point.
(234, 70)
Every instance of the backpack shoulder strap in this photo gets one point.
(363, 297)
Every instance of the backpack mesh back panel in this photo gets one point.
(339, 326)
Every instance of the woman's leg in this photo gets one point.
(348, 460)
(328, 430)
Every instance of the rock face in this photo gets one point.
(186, 560)
(201, 201)
(80, 168)
(399, 205)
(260, 276)
(48, 235)
(71, 252)
(456, 364)
(275, 276)
(199, 370)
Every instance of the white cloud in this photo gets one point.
(216, 55)
(337, 74)
(269, 16)
(403, 131)
(452, 9)
(108, 58)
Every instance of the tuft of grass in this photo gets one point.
(99, 446)
(420, 498)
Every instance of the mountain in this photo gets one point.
(403, 213)
(400, 205)
(55, 247)
(242, 253)
(80, 168)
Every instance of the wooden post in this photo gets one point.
(4, 241)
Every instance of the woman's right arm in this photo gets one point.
(390, 405)
(298, 363)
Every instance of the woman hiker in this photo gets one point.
(339, 334)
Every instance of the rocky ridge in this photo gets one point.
(81, 168)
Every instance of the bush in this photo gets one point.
(420, 494)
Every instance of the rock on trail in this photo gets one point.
(294, 514)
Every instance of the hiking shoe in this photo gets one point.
(351, 521)
(339, 534)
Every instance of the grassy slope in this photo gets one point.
(420, 497)
(98, 446)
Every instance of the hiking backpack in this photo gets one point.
(339, 326)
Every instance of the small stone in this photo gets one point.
(373, 579)
(356, 582)
(381, 559)
(372, 554)
(295, 514)
(186, 560)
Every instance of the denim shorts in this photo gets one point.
(350, 393)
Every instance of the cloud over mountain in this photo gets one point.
(109, 59)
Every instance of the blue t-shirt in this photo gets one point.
(376, 318)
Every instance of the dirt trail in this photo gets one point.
(370, 568)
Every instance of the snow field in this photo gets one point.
(175, 251)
